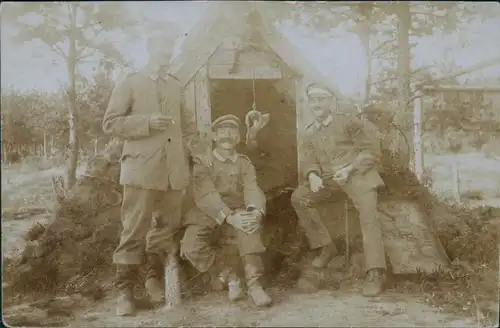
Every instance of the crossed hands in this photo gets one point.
(341, 177)
(246, 221)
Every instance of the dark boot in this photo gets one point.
(254, 270)
(326, 254)
(374, 282)
(154, 274)
(124, 284)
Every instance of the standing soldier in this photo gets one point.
(227, 196)
(341, 153)
(146, 110)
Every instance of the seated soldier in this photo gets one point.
(227, 196)
(341, 154)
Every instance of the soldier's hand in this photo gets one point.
(243, 221)
(315, 182)
(342, 175)
(203, 159)
(160, 122)
(257, 223)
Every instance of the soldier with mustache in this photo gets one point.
(227, 197)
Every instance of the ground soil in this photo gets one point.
(345, 307)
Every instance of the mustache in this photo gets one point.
(226, 139)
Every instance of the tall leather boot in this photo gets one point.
(154, 274)
(124, 284)
(326, 254)
(375, 282)
(254, 270)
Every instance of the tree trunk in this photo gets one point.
(366, 10)
(405, 115)
(96, 145)
(45, 145)
(5, 158)
(72, 149)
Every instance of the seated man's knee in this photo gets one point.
(196, 247)
(299, 196)
(251, 243)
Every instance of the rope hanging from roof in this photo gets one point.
(254, 119)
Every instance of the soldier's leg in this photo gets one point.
(160, 240)
(136, 218)
(196, 244)
(250, 247)
(365, 202)
(304, 202)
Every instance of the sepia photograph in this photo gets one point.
(250, 163)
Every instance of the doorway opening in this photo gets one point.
(275, 159)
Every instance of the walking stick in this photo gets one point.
(346, 210)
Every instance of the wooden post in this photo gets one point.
(456, 180)
(300, 108)
(202, 97)
(173, 294)
(96, 144)
(418, 148)
(45, 145)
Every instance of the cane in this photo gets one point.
(346, 210)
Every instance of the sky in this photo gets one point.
(338, 55)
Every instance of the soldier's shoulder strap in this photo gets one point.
(310, 129)
(245, 158)
(310, 126)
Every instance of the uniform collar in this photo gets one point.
(222, 158)
(326, 122)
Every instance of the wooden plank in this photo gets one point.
(190, 98)
(300, 105)
(244, 72)
(226, 56)
(417, 138)
(202, 42)
(203, 109)
(461, 88)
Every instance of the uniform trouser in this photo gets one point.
(197, 245)
(304, 201)
(141, 232)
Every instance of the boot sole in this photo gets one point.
(237, 298)
(129, 313)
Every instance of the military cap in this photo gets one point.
(225, 120)
(318, 89)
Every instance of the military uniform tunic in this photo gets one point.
(228, 185)
(329, 146)
(154, 164)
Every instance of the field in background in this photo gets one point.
(27, 197)
(478, 175)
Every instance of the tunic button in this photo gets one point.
(168, 139)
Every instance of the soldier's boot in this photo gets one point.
(154, 286)
(124, 284)
(235, 292)
(254, 270)
(327, 253)
(374, 282)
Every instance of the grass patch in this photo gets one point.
(470, 286)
